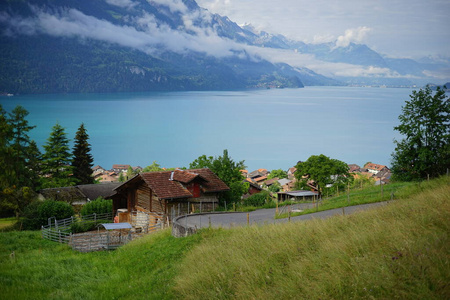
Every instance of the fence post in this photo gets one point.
(95, 217)
(188, 207)
(348, 193)
(200, 207)
(59, 235)
(248, 219)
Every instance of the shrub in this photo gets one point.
(98, 206)
(37, 213)
(258, 199)
(84, 226)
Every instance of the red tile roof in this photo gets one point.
(376, 167)
(170, 184)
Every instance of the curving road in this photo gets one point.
(264, 216)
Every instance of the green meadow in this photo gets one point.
(400, 250)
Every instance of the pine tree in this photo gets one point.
(82, 160)
(24, 150)
(56, 166)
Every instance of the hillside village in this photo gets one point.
(258, 179)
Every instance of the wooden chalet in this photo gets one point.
(163, 195)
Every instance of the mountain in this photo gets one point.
(362, 65)
(122, 45)
(70, 46)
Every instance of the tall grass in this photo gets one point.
(400, 250)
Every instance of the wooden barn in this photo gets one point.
(163, 195)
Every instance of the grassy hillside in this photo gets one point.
(398, 251)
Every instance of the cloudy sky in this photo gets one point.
(397, 28)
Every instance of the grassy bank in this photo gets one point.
(33, 268)
(372, 194)
(398, 251)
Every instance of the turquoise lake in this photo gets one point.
(269, 129)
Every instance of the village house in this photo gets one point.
(354, 168)
(107, 176)
(291, 173)
(97, 170)
(120, 168)
(161, 196)
(258, 173)
(252, 189)
(375, 168)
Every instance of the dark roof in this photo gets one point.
(93, 191)
(80, 192)
(67, 194)
(271, 181)
(170, 184)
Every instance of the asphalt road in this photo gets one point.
(264, 216)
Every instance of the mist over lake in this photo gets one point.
(269, 129)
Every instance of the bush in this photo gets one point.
(37, 213)
(78, 227)
(258, 199)
(98, 206)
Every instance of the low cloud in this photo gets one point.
(122, 3)
(356, 35)
(174, 6)
(143, 33)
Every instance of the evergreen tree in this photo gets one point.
(82, 160)
(425, 123)
(24, 151)
(19, 161)
(56, 166)
(6, 170)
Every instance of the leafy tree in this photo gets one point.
(82, 161)
(130, 172)
(155, 167)
(56, 166)
(322, 170)
(425, 123)
(274, 187)
(121, 177)
(277, 173)
(228, 171)
(16, 199)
